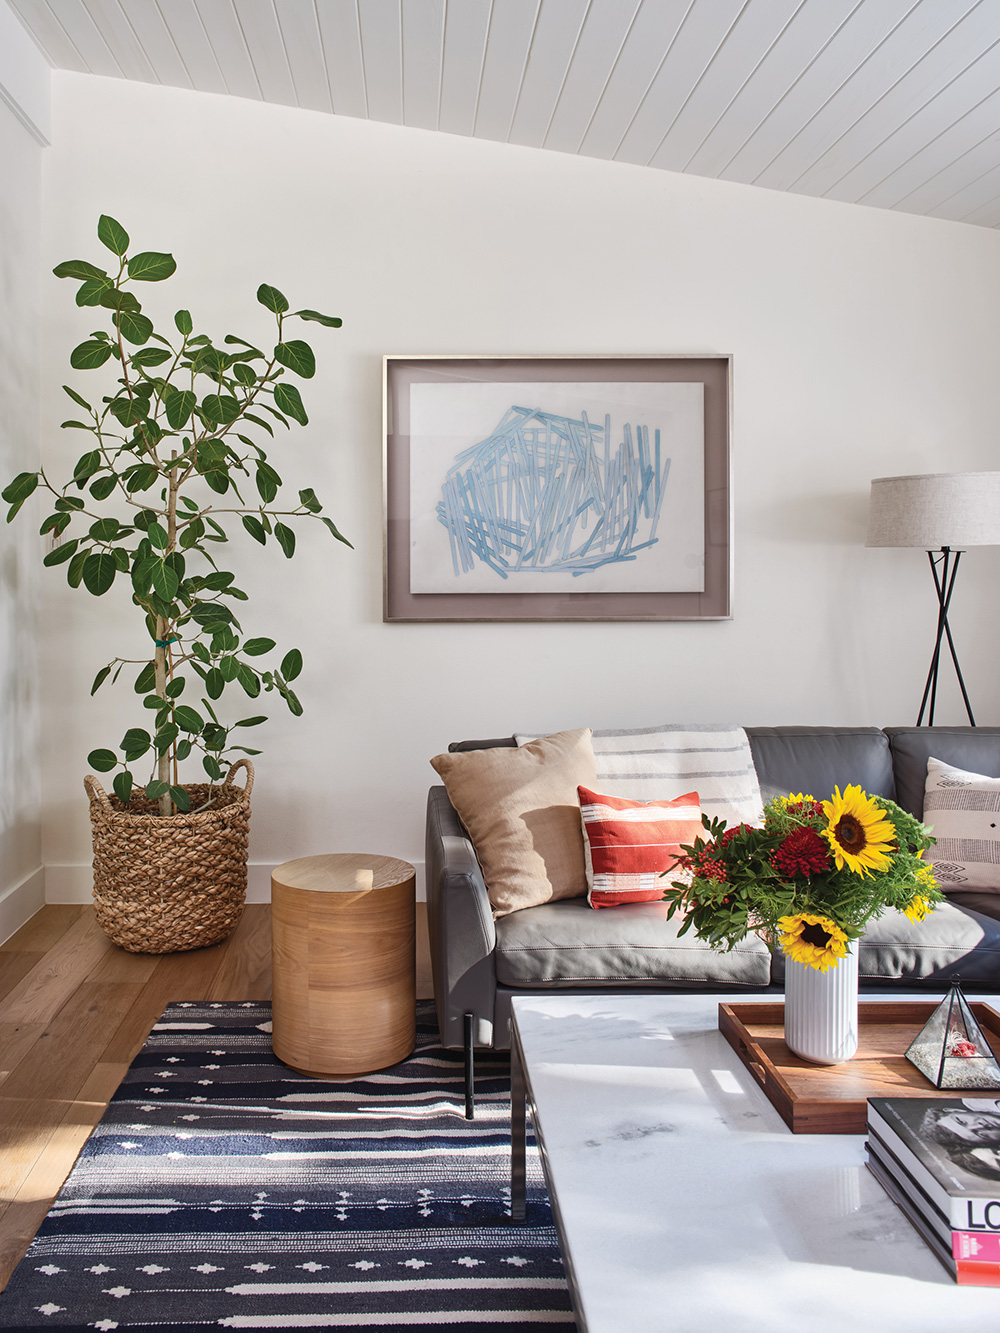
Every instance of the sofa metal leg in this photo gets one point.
(470, 1066)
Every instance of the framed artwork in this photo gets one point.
(557, 488)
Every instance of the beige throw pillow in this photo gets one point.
(521, 810)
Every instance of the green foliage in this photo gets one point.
(178, 427)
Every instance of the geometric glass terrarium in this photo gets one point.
(950, 1049)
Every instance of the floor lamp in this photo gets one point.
(943, 513)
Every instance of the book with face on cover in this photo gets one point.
(951, 1148)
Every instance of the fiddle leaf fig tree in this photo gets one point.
(176, 457)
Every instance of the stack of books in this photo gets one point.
(939, 1159)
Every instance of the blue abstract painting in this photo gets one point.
(546, 492)
(557, 487)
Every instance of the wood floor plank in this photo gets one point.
(16, 1040)
(45, 928)
(245, 968)
(46, 988)
(14, 967)
(120, 965)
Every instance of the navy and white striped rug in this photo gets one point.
(223, 1190)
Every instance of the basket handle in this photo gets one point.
(96, 792)
(241, 763)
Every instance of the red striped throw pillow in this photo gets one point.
(628, 844)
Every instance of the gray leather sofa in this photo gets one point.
(479, 964)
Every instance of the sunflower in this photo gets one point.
(813, 940)
(918, 907)
(859, 832)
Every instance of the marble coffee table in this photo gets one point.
(683, 1203)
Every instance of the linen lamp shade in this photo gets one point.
(955, 509)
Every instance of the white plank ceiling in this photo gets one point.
(889, 103)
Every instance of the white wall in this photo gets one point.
(21, 880)
(865, 343)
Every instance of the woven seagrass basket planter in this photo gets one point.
(163, 885)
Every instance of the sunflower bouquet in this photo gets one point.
(809, 879)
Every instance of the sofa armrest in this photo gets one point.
(460, 921)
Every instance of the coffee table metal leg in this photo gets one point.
(518, 1132)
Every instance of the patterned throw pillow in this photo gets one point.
(661, 763)
(628, 844)
(963, 810)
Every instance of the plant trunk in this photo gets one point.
(163, 630)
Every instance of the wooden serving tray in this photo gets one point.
(831, 1099)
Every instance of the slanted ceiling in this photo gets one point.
(889, 103)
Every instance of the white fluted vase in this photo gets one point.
(821, 1010)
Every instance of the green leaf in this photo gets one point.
(336, 531)
(103, 760)
(175, 687)
(291, 664)
(135, 328)
(103, 487)
(141, 477)
(257, 647)
(78, 268)
(212, 768)
(217, 481)
(165, 736)
(86, 466)
(255, 528)
(165, 581)
(99, 572)
(214, 738)
(121, 558)
(229, 667)
(259, 421)
(251, 721)
(18, 490)
(146, 679)
(90, 355)
(268, 482)
(188, 719)
(114, 298)
(82, 402)
(288, 399)
(104, 530)
(183, 750)
(307, 499)
(69, 502)
(150, 356)
(297, 356)
(286, 539)
(92, 291)
(294, 707)
(157, 536)
(129, 410)
(179, 407)
(180, 798)
(135, 743)
(61, 554)
(331, 321)
(123, 786)
(112, 234)
(249, 680)
(212, 613)
(215, 683)
(149, 266)
(154, 790)
(182, 322)
(99, 679)
(272, 298)
(74, 574)
(56, 523)
(245, 374)
(220, 408)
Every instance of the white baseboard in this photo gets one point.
(75, 884)
(20, 902)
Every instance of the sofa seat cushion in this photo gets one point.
(567, 944)
(950, 942)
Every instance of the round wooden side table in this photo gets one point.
(343, 936)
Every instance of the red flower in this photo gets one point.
(802, 853)
(806, 808)
(731, 833)
(964, 1048)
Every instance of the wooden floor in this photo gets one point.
(74, 1010)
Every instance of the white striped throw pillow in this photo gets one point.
(662, 763)
(963, 810)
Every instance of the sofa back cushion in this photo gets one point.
(814, 760)
(976, 749)
(521, 810)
